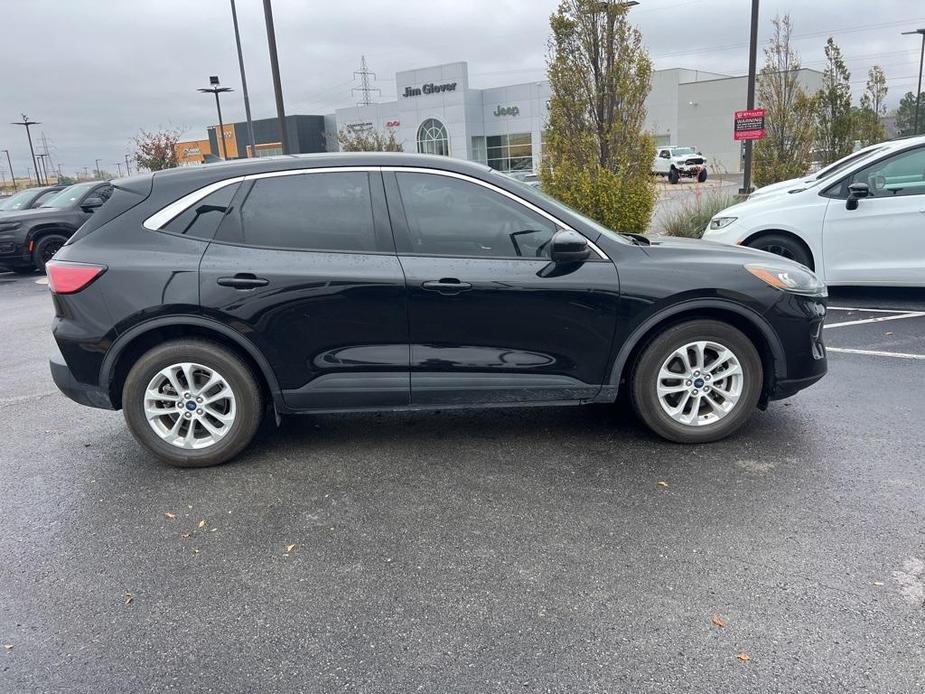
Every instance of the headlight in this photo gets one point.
(798, 280)
(720, 222)
(9, 226)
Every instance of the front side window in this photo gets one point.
(70, 195)
(901, 174)
(451, 217)
(433, 139)
(311, 211)
(201, 219)
(18, 200)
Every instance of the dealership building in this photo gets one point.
(437, 112)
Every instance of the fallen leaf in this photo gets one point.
(129, 598)
(195, 551)
(289, 548)
(185, 536)
(890, 332)
(662, 483)
(169, 515)
(878, 583)
(202, 524)
(8, 646)
(743, 656)
(212, 530)
(718, 621)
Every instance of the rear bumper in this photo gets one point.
(92, 396)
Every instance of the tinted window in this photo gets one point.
(901, 174)
(324, 211)
(447, 216)
(202, 219)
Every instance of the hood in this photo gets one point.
(782, 187)
(711, 251)
(26, 215)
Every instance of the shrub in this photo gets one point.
(691, 219)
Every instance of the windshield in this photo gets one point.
(70, 195)
(842, 163)
(681, 151)
(17, 201)
(559, 205)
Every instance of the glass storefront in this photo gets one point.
(505, 153)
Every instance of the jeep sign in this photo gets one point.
(506, 111)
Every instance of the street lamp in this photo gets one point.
(918, 92)
(26, 123)
(247, 101)
(274, 69)
(119, 167)
(99, 174)
(43, 164)
(216, 89)
(10, 164)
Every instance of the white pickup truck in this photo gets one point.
(675, 162)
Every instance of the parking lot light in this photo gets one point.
(918, 92)
(216, 89)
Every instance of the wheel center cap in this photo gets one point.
(698, 383)
(190, 405)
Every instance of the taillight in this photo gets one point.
(68, 278)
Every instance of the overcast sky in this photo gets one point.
(96, 71)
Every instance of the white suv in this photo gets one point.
(678, 162)
(861, 223)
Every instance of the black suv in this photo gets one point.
(197, 300)
(29, 238)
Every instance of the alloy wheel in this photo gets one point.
(700, 383)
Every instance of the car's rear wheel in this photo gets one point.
(674, 176)
(697, 381)
(45, 249)
(784, 246)
(192, 403)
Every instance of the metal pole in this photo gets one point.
(128, 169)
(99, 174)
(918, 94)
(221, 128)
(10, 164)
(277, 84)
(119, 167)
(247, 101)
(32, 150)
(750, 101)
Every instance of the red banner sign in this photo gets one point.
(749, 124)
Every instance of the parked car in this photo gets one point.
(680, 162)
(860, 225)
(28, 198)
(197, 297)
(528, 177)
(29, 238)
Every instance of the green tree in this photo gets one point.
(905, 115)
(785, 151)
(867, 125)
(834, 117)
(368, 140)
(156, 150)
(597, 157)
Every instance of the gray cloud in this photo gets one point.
(96, 71)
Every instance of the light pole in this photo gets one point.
(99, 174)
(10, 164)
(216, 89)
(750, 97)
(247, 101)
(43, 165)
(918, 92)
(274, 68)
(27, 123)
(128, 168)
(119, 167)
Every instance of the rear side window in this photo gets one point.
(44, 196)
(312, 211)
(202, 219)
(118, 201)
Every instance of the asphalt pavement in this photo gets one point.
(523, 550)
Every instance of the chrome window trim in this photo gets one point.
(156, 221)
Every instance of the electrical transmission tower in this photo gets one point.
(364, 89)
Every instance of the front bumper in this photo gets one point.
(798, 321)
(82, 393)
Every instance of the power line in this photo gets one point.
(364, 89)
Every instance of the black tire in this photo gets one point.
(248, 397)
(702, 176)
(22, 269)
(45, 248)
(674, 176)
(785, 246)
(643, 381)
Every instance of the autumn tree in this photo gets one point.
(597, 157)
(785, 151)
(867, 125)
(834, 117)
(368, 140)
(156, 150)
(905, 114)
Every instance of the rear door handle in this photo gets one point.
(243, 280)
(446, 285)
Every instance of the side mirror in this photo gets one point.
(92, 203)
(568, 247)
(856, 191)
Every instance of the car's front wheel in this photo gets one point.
(697, 381)
(673, 176)
(702, 176)
(192, 403)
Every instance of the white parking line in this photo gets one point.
(875, 353)
(869, 310)
(900, 316)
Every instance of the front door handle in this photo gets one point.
(446, 285)
(243, 280)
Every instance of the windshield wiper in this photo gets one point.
(638, 239)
